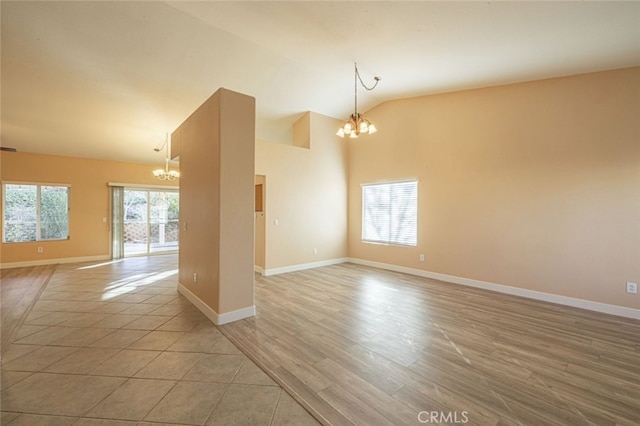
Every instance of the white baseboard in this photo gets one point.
(303, 266)
(515, 291)
(216, 318)
(54, 261)
(236, 315)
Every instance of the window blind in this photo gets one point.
(390, 213)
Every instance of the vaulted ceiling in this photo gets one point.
(110, 79)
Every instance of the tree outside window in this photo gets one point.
(35, 212)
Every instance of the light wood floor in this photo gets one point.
(357, 345)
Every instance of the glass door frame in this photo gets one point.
(118, 221)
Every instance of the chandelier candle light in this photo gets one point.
(165, 174)
(356, 123)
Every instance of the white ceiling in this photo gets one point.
(109, 79)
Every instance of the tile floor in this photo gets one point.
(115, 344)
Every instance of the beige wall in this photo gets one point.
(216, 148)
(237, 196)
(199, 201)
(89, 201)
(533, 185)
(306, 192)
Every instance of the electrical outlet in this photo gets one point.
(422, 258)
(40, 249)
(315, 251)
(195, 277)
(632, 288)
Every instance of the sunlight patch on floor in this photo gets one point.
(130, 284)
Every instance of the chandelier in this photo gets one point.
(356, 123)
(165, 174)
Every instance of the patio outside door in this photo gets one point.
(150, 222)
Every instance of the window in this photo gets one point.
(35, 212)
(390, 213)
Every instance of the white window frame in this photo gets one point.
(390, 239)
(38, 210)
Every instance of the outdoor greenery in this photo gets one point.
(135, 206)
(164, 206)
(23, 203)
(150, 216)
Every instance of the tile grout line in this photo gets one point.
(273, 415)
(29, 309)
(75, 368)
(226, 388)
(283, 385)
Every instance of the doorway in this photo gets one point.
(260, 231)
(150, 221)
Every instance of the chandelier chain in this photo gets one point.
(165, 174)
(355, 85)
(356, 123)
(377, 79)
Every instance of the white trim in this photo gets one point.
(236, 315)
(9, 182)
(515, 291)
(303, 266)
(217, 319)
(387, 181)
(198, 303)
(53, 261)
(258, 269)
(142, 186)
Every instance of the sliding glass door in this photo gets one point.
(136, 222)
(163, 221)
(150, 221)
